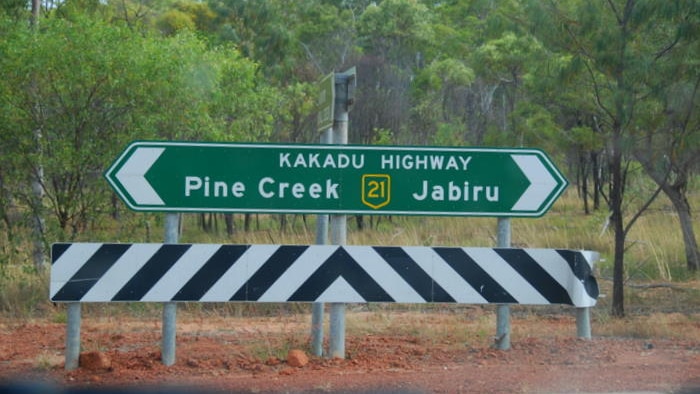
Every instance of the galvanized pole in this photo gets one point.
(583, 315)
(321, 239)
(72, 336)
(344, 82)
(583, 323)
(503, 311)
(167, 351)
(337, 311)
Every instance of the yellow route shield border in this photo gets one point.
(382, 188)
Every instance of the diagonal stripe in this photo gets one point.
(495, 266)
(184, 268)
(475, 276)
(238, 274)
(120, 273)
(90, 272)
(68, 263)
(340, 264)
(556, 266)
(456, 289)
(383, 275)
(535, 275)
(269, 272)
(294, 277)
(151, 272)
(57, 250)
(217, 265)
(582, 269)
(589, 258)
(396, 272)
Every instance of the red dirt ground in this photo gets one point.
(220, 354)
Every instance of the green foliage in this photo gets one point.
(382, 137)
(173, 21)
(14, 9)
(142, 87)
(448, 135)
(395, 29)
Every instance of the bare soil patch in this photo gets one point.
(415, 352)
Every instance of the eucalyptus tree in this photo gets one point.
(262, 30)
(394, 36)
(435, 89)
(669, 136)
(327, 33)
(620, 47)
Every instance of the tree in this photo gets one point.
(327, 35)
(503, 62)
(619, 48)
(91, 88)
(669, 151)
(262, 30)
(187, 15)
(394, 36)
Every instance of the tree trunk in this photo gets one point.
(360, 220)
(246, 222)
(682, 207)
(37, 180)
(230, 226)
(283, 223)
(597, 180)
(616, 195)
(676, 193)
(583, 182)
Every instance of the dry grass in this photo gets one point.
(654, 256)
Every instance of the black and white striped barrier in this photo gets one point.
(111, 272)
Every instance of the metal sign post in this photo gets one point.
(317, 308)
(503, 310)
(169, 330)
(72, 336)
(344, 87)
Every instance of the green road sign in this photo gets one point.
(326, 102)
(335, 179)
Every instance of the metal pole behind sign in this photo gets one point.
(583, 323)
(503, 311)
(338, 225)
(583, 315)
(337, 313)
(72, 336)
(167, 351)
(321, 239)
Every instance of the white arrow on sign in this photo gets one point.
(541, 183)
(132, 176)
